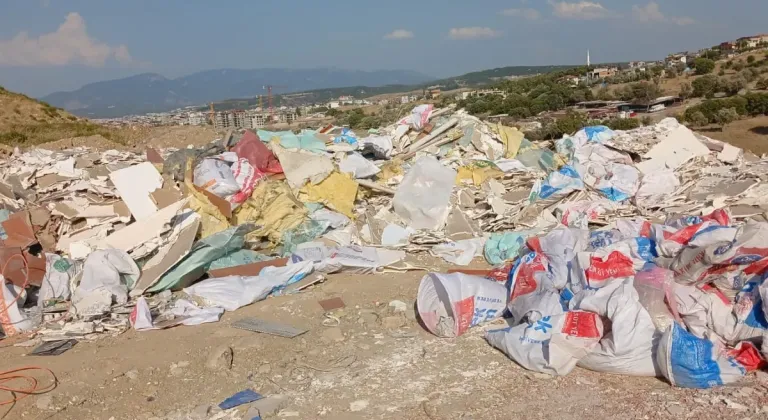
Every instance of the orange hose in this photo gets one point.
(32, 388)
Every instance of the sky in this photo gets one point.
(54, 45)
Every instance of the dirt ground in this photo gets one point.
(364, 361)
(750, 134)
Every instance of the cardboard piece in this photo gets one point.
(247, 270)
(48, 180)
(19, 230)
(134, 184)
(331, 304)
(154, 156)
(166, 196)
(14, 266)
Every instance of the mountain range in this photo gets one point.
(151, 92)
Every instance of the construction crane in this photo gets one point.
(269, 100)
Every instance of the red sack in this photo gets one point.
(258, 154)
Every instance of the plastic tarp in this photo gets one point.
(107, 277)
(358, 166)
(234, 292)
(557, 184)
(423, 197)
(239, 257)
(199, 258)
(504, 246)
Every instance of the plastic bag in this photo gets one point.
(552, 344)
(595, 133)
(379, 146)
(590, 271)
(460, 252)
(112, 271)
(629, 347)
(531, 290)
(246, 177)
(419, 117)
(560, 246)
(358, 166)
(423, 197)
(216, 177)
(141, 316)
(504, 246)
(58, 274)
(691, 362)
(449, 304)
(557, 184)
(654, 285)
(12, 319)
(234, 292)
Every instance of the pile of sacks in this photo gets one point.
(650, 292)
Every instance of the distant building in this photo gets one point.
(603, 72)
(673, 60)
(483, 92)
(637, 64)
(727, 46)
(333, 104)
(405, 99)
(752, 41)
(197, 118)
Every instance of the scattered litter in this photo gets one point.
(267, 327)
(331, 304)
(53, 348)
(240, 398)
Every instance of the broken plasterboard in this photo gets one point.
(143, 231)
(177, 247)
(679, 146)
(135, 184)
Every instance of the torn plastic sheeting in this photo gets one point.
(250, 147)
(511, 165)
(460, 252)
(308, 231)
(531, 291)
(593, 134)
(654, 287)
(337, 191)
(347, 136)
(607, 171)
(237, 258)
(656, 186)
(560, 246)
(358, 166)
(594, 271)
(450, 304)
(365, 257)
(184, 312)
(111, 273)
(245, 270)
(335, 219)
(246, 177)
(380, 147)
(202, 254)
(552, 344)
(478, 172)
(534, 157)
(273, 209)
(395, 235)
(512, 138)
(691, 362)
(423, 197)
(301, 166)
(419, 117)
(579, 213)
(504, 246)
(557, 184)
(629, 348)
(234, 292)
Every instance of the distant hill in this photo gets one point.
(474, 79)
(17, 109)
(152, 92)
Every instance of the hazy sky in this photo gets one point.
(50, 45)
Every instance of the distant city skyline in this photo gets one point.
(48, 46)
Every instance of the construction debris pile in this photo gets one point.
(622, 252)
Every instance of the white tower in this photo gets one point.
(587, 58)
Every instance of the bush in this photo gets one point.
(623, 123)
(710, 109)
(739, 66)
(646, 120)
(13, 138)
(726, 116)
(705, 86)
(750, 59)
(697, 119)
(721, 72)
(704, 65)
(686, 90)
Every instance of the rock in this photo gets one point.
(268, 406)
(132, 374)
(183, 364)
(358, 405)
(333, 334)
(537, 375)
(220, 359)
(733, 405)
(368, 318)
(44, 402)
(265, 369)
(398, 306)
(176, 371)
(762, 377)
(675, 409)
(392, 322)
(200, 412)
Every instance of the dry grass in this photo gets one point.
(749, 134)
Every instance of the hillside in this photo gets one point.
(28, 122)
(17, 109)
(152, 92)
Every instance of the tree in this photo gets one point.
(721, 72)
(645, 92)
(738, 66)
(686, 90)
(729, 64)
(298, 111)
(604, 94)
(704, 86)
(646, 120)
(762, 84)
(726, 116)
(697, 119)
(704, 65)
(750, 59)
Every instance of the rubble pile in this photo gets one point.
(614, 251)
